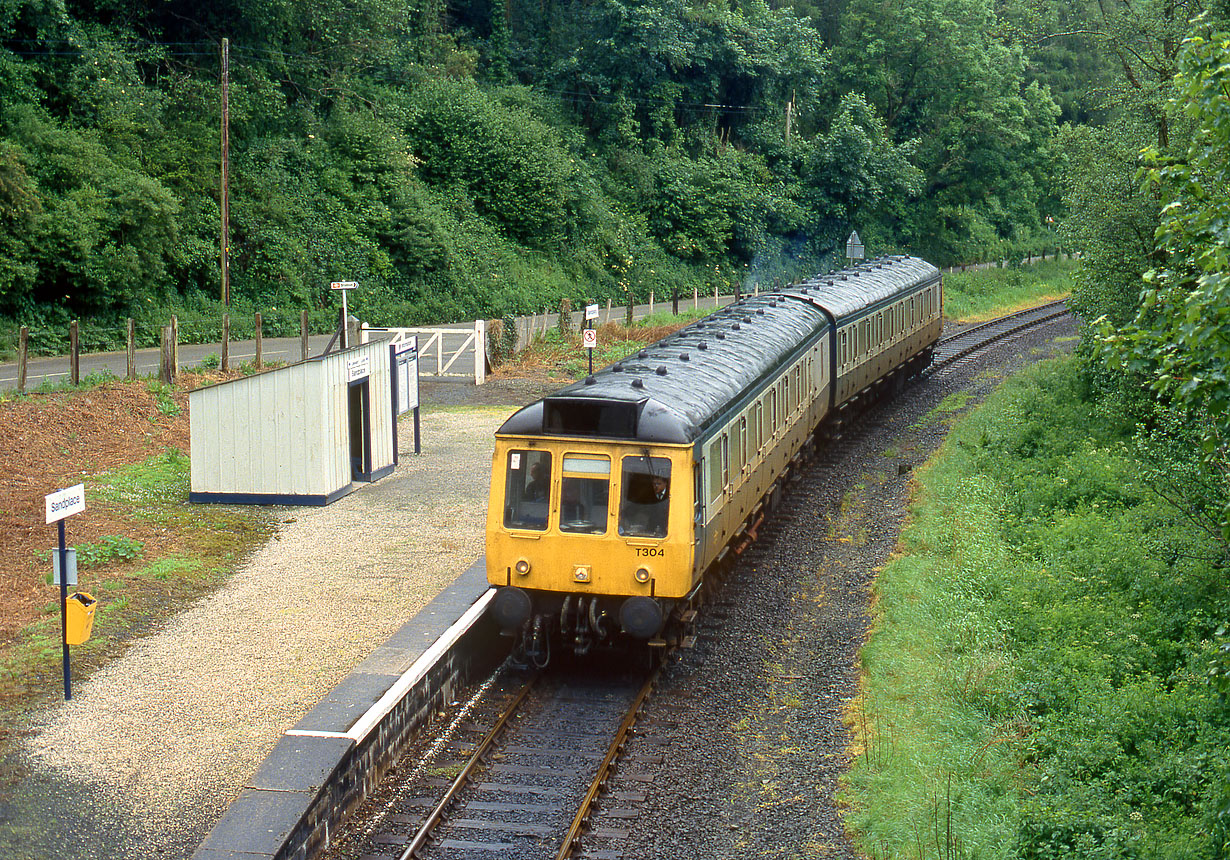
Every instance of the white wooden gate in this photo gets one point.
(443, 352)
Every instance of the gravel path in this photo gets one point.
(152, 748)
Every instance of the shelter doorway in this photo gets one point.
(359, 409)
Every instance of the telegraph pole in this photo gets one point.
(225, 196)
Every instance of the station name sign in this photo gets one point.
(359, 368)
(65, 503)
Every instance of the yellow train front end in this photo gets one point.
(588, 538)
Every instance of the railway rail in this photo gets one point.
(530, 786)
(954, 347)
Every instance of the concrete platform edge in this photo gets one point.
(325, 766)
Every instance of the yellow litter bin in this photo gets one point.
(80, 618)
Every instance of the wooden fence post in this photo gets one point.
(74, 354)
(303, 335)
(226, 343)
(166, 359)
(23, 345)
(174, 347)
(259, 358)
(131, 370)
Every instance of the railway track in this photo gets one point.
(530, 785)
(951, 350)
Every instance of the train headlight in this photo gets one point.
(642, 574)
(522, 566)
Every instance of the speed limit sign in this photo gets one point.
(589, 338)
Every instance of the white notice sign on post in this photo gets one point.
(65, 503)
(589, 338)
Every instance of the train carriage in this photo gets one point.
(612, 498)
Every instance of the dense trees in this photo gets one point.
(495, 155)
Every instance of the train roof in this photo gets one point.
(853, 291)
(672, 390)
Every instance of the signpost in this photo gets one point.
(589, 336)
(854, 246)
(344, 287)
(61, 505)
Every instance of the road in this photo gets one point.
(55, 369)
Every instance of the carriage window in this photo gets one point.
(645, 496)
(584, 493)
(714, 458)
(527, 489)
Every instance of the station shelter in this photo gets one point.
(303, 434)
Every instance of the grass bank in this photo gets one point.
(1036, 684)
(988, 293)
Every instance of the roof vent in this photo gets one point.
(661, 371)
(761, 310)
(747, 319)
(721, 335)
(805, 291)
(830, 283)
(702, 345)
(735, 327)
(617, 368)
(643, 353)
(636, 383)
(683, 356)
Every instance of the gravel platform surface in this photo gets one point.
(151, 749)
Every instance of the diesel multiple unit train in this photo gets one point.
(614, 497)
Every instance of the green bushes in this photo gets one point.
(1038, 673)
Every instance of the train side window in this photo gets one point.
(736, 444)
(758, 425)
(714, 460)
(584, 494)
(742, 443)
(725, 460)
(797, 377)
(644, 496)
(527, 489)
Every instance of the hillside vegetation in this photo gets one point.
(489, 157)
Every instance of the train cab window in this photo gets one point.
(527, 490)
(584, 494)
(644, 503)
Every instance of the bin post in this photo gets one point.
(68, 678)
